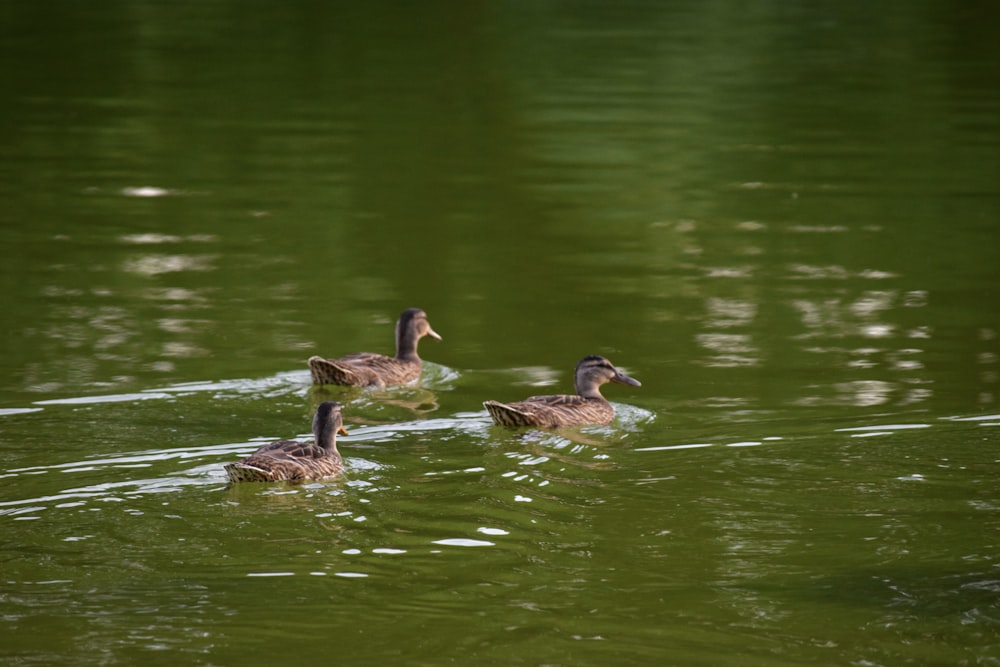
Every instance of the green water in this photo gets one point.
(782, 218)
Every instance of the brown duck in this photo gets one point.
(587, 407)
(293, 460)
(367, 369)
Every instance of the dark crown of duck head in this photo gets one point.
(329, 412)
(327, 409)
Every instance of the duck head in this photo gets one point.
(593, 371)
(411, 327)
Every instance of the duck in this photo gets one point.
(368, 369)
(293, 460)
(588, 406)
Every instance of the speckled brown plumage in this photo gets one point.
(587, 407)
(367, 369)
(293, 460)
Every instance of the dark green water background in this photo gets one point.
(781, 217)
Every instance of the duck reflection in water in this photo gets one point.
(381, 406)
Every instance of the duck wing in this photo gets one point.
(284, 450)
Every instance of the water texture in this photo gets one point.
(780, 218)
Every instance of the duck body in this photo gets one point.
(293, 460)
(368, 369)
(286, 460)
(551, 411)
(364, 369)
(588, 406)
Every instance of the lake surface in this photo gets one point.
(782, 218)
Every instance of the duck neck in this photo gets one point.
(406, 342)
(588, 389)
(326, 436)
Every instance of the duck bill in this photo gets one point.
(433, 334)
(621, 378)
(341, 430)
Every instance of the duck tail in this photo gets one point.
(326, 371)
(506, 415)
(241, 472)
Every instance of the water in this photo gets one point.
(780, 218)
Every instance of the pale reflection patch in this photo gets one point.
(872, 302)
(536, 376)
(863, 393)
(733, 350)
(178, 349)
(175, 294)
(146, 191)
(150, 239)
(463, 542)
(876, 330)
(807, 272)
(730, 312)
(728, 271)
(175, 325)
(152, 265)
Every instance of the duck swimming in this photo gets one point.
(293, 460)
(587, 407)
(367, 369)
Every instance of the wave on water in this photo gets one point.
(118, 475)
(435, 377)
(116, 483)
(865, 431)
